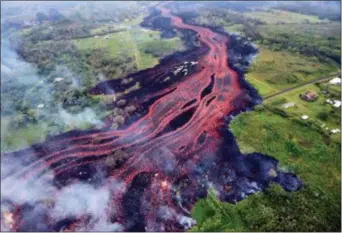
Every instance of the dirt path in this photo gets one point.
(136, 51)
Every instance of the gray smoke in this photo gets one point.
(167, 213)
(75, 200)
(78, 199)
(22, 86)
(87, 116)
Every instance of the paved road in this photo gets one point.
(301, 85)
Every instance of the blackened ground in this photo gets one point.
(132, 202)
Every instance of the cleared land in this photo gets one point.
(132, 43)
(273, 71)
(235, 28)
(278, 16)
(323, 114)
(310, 39)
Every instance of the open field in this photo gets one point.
(126, 24)
(133, 43)
(318, 31)
(308, 153)
(320, 40)
(21, 138)
(312, 109)
(273, 71)
(278, 16)
(115, 43)
(235, 28)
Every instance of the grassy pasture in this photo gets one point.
(312, 109)
(273, 71)
(133, 43)
(235, 28)
(278, 16)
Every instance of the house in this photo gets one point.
(288, 105)
(309, 96)
(304, 117)
(335, 81)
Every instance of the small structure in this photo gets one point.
(40, 106)
(309, 96)
(335, 81)
(288, 105)
(58, 79)
(334, 103)
(337, 104)
(329, 101)
(304, 117)
(335, 131)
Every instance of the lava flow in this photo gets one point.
(154, 169)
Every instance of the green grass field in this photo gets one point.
(273, 71)
(314, 158)
(278, 16)
(235, 28)
(133, 43)
(23, 137)
(312, 109)
(325, 38)
(317, 31)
